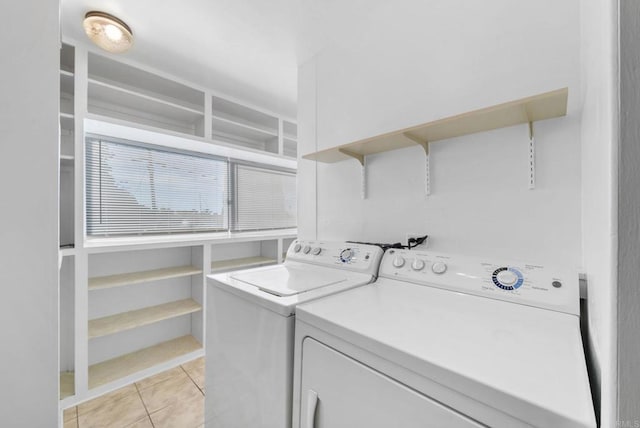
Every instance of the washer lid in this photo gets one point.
(290, 281)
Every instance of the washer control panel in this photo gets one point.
(525, 283)
(342, 255)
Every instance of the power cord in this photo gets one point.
(411, 243)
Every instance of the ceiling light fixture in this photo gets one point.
(108, 32)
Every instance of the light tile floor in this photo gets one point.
(171, 399)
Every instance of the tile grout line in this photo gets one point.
(193, 381)
(144, 404)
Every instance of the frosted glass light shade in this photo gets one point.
(108, 32)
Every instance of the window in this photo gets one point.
(136, 189)
(140, 189)
(265, 198)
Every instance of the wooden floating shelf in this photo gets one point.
(531, 109)
(67, 385)
(119, 280)
(243, 263)
(128, 364)
(128, 320)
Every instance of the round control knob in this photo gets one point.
(306, 249)
(439, 268)
(297, 248)
(417, 264)
(398, 261)
(506, 277)
(316, 251)
(346, 255)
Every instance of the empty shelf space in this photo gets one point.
(67, 385)
(106, 93)
(143, 82)
(119, 280)
(128, 364)
(238, 113)
(242, 263)
(127, 320)
(66, 82)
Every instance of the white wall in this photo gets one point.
(599, 199)
(417, 61)
(29, 251)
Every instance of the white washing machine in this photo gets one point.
(444, 341)
(250, 328)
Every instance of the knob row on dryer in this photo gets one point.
(418, 264)
(307, 249)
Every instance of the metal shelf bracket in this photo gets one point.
(360, 158)
(425, 145)
(532, 158)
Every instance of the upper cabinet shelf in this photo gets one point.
(531, 109)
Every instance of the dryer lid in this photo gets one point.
(291, 280)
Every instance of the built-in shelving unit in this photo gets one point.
(244, 255)
(121, 91)
(240, 263)
(290, 139)
(118, 280)
(67, 128)
(67, 387)
(240, 125)
(131, 307)
(141, 317)
(161, 354)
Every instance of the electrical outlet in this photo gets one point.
(416, 236)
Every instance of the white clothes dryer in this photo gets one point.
(444, 341)
(250, 328)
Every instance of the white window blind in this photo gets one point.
(134, 189)
(264, 198)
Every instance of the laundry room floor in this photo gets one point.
(171, 399)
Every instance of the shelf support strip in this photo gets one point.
(360, 158)
(532, 158)
(425, 145)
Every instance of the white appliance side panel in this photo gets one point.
(352, 395)
(249, 364)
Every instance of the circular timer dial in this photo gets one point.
(507, 278)
(346, 255)
(306, 249)
(297, 248)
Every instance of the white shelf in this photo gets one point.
(66, 121)
(122, 279)
(257, 133)
(108, 94)
(241, 263)
(128, 364)
(67, 161)
(143, 82)
(66, 82)
(290, 148)
(141, 317)
(238, 113)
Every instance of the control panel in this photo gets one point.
(525, 283)
(341, 255)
